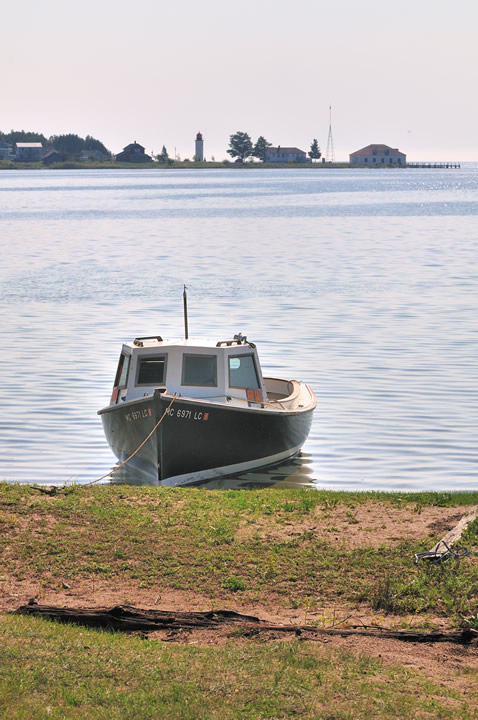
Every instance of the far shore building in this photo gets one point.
(53, 156)
(285, 155)
(5, 151)
(378, 155)
(199, 154)
(29, 152)
(92, 156)
(133, 153)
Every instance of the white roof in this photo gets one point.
(29, 145)
(151, 342)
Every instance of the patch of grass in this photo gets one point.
(54, 672)
(205, 541)
(234, 584)
(449, 588)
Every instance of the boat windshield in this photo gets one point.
(242, 372)
(199, 370)
(151, 370)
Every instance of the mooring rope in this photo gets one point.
(53, 490)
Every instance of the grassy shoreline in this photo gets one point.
(309, 554)
(284, 544)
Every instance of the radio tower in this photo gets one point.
(330, 155)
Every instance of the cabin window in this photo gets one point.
(242, 372)
(199, 370)
(122, 372)
(151, 370)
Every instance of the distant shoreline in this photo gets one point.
(181, 165)
(176, 165)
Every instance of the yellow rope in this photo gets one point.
(137, 449)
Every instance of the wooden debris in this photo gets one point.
(129, 619)
(455, 533)
(48, 490)
(444, 547)
(125, 618)
(52, 490)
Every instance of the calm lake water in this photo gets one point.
(363, 283)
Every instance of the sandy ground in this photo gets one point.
(369, 525)
(452, 665)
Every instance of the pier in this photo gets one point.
(433, 165)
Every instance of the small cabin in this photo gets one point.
(285, 155)
(226, 371)
(134, 153)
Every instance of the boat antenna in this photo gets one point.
(185, 300)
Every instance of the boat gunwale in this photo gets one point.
(265, 408)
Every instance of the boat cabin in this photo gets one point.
(226, 371)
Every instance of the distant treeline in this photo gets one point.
(69, 144)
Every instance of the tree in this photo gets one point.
(260, 148)
(314, 152)
(74, 144)
(15, 136)
(163, 156)
(69, 143)
(92, 143)
(240, 146)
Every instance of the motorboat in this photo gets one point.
(192, 410)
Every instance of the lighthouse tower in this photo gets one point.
(199, 154)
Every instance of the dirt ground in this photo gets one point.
(369, 525)
(453, 665)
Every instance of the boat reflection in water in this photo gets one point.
(295, 472)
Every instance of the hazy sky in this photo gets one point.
(400, 72)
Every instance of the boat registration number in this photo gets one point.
(188, 414)
(138, 414)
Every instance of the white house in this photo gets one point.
(378, 155)
(285, 155)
